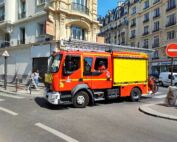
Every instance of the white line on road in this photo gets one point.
(55, 132)
(159, 97)
(1, 100)
(8, 111)
(11, 96)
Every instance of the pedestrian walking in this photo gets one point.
(36, 77)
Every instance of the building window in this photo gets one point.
(41, 29)
(156, 42)
(133, 22)
(171, 20)
(22, 9)
(146, 43)
(156, 26)
(146, 17)
(2, 13)
(156, 12)
(132, 44)
(80, 5)
(133, 34)
(133, 10)
(171, 35)
(22, 35)
(171, 4)
(78, 33)
(146, 30)
(146, 4)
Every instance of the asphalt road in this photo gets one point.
(29, 119)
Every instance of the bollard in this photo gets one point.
(30, 86)
(16, 84)
(171, 97)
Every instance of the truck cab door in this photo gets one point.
(102, 73)
(71, 72)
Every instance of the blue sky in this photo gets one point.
(105, 5)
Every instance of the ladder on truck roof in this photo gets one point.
(91, 46)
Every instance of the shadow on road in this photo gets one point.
(44, 104)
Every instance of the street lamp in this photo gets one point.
(5, 54)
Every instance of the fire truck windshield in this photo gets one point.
(54, 63)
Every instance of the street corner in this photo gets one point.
(160, 110)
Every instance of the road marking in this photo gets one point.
(159, 97)
(1, 100)
(8, 111)
(12, 96)
(55, 132)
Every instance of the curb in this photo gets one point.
(147, 110)
(17, 93)
(11, 93)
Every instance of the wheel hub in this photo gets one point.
(80, 100)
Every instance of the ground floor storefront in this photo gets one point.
(163, 66)
(24, 60)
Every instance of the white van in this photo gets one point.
(165, 79)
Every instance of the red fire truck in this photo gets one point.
(83, 77)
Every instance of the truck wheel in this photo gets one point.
(81, 99)
(135, 94)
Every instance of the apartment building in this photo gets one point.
(31, 28)
(115, 25)
(152, 24)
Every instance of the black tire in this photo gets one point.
(81, 99)
(135, 94)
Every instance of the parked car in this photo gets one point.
(165, 79)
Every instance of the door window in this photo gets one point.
(72, 63)
(101, 64)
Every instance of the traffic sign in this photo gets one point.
(171, 50)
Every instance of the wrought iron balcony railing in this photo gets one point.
(80, 8)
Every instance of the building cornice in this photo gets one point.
(31, 17)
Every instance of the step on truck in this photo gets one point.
(83, 77)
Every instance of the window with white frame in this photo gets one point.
(41, 29)
(171, 35)
(171, 19)
(146, 43)
(2, 13)
(133, 10)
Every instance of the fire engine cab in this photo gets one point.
(82, 77)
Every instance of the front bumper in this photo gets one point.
(53, 97)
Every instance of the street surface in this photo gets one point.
(30, 119)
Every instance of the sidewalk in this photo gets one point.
(160, 110)
(22, 89)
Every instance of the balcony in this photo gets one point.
(146, 20)
(80, 8)
(132, 36)
(22, 15)
(145, 46)
(156, 30)
(155, 45)
(170, 7)
(171, 24)
(145, 33)
(156, 16)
